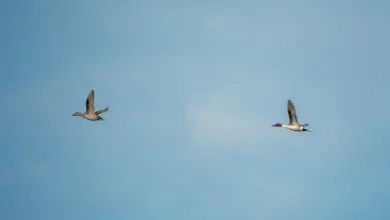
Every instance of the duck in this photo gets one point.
(294, 124)
(90, 113)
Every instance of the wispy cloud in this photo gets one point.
(212, 120)
(219, 117)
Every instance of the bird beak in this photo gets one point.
(306, 130)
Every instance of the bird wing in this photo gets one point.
(90, 102)
(291, 113)
(101, 111)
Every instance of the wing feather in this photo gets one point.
(101, 111)
(291, 113)
(90, 102)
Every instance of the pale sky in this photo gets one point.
(193, 89)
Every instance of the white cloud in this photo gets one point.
(213, 120)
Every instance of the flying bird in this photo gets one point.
(294, 125)
(90, 113)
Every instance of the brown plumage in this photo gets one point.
(90, 112)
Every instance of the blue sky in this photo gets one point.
(193, 88)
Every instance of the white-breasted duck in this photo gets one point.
(294, 125)
(90, 113)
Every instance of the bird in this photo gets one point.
(90, 113)
(294, 124)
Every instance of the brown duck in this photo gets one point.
(91, 114)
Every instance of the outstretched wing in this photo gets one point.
(90, 102)
(291, 113)
(101, 111)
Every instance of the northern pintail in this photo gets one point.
(294, 125)
(90, 113)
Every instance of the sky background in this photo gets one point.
(193, 89)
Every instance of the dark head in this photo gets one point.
(277, 125)
(100, 118)
(77, 114)
(304, 129)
